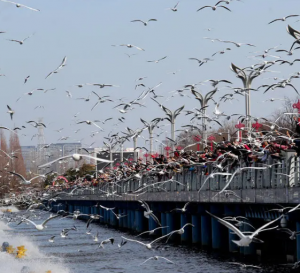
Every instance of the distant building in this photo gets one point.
(29, 154)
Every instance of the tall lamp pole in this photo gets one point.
(171, 116)
(247, 81)
(203, 103)
(150, 126)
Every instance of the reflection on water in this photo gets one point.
(78, 253)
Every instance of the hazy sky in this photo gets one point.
(84, 30)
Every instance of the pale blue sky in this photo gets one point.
(84, 30)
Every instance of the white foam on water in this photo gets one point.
(36, 261)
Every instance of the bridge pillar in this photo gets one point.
(129, 224)
(101, 212)
(232, 247)
(205, 230)
(298, 241)
(196, 230)
(163, 218)
(170, 223)
(184, 219)
(133, 223)
(125, 219)
(138, 221)
(121, 219)
(216, 229)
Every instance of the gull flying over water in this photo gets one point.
(245, 240)
(41, 226)
(156, 258)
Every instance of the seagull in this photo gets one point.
(107, 209)
(156, 258)
(283, 18)
(179, 231)
(63, 64)
(90, 123)
(201, 62)
(183, 209)
(144, 22)
(21, 42)
(24, 181)
(51, 240)
(122, 243)
(131, 46)
(26, 79)
(110, 240)
(245, 240)
(19, 5)
(151, 232)
(75, 157)
(69, 94)
(236, 44)
(212, 175)
(148, 245)
(292, 234)
(156, 61)
(42, 225)
(11, 112)
(214, 7)
(175, 7)
(149, 212)
(244, 266)
(222, 51)
(102, 85)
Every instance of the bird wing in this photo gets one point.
(25, 219)
(147, 260)
(256, 232)
(51, 162)
(224, 7)
(50, 218)
(96, 158)
(165, 259)
(155, 219)
(137, 21)
(274, 21)
(204, 7)
(130, 240)
(228, 225)
(18, 175)
(291, 16)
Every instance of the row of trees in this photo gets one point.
(14, 162)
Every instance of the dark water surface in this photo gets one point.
(78, 253)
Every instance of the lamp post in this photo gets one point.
(256, 125)
(150, 126)
(297, 106)
(239, 126)
(167, 149)
(247, 80)
(171, 116)
(211, 139)
(146, 155)
(203, 103)
(197, 138)
(134, 134)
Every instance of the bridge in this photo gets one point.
(252, 194)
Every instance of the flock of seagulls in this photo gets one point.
(117, 139)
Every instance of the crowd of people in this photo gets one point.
(225, 157)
